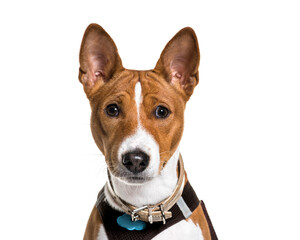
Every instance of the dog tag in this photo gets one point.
(125, 222)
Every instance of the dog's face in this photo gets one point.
(137, 116)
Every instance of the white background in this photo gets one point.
(241, 141)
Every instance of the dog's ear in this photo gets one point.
(99, 58)
(179, 61)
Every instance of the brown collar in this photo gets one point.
(151, 213)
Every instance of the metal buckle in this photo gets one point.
(150, 217)
(134, 215)
(162, 213)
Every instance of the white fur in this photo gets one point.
(102, 234)
(180, 231)
(138, 98)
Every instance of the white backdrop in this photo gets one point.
(241, 140)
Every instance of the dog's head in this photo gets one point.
(137, 116)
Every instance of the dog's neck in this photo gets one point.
(151, 192)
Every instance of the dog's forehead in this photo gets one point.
(122, 87)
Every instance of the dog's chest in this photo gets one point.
(181, 230)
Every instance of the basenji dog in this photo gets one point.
(137, 123)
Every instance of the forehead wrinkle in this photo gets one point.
(156, 86)
(154, 80)
(120, 82)
(158, 97)
(119, 98)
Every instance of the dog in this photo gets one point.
(137, 123)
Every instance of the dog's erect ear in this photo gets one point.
(179, 61)
(99, 58)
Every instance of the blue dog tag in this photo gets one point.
(125, 222)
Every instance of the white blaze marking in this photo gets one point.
(141, 139)
(138, 99)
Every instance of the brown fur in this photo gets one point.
(199, 219)
(93, 225)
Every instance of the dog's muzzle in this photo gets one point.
(151, 213)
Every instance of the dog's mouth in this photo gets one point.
(131, 178)
(136, 180)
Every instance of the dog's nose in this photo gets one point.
(136, 161)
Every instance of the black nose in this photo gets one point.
(135, 161)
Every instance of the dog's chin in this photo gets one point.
(131, 179)
(136, 180)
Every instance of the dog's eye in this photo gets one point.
(162, 112)
(112, 110)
